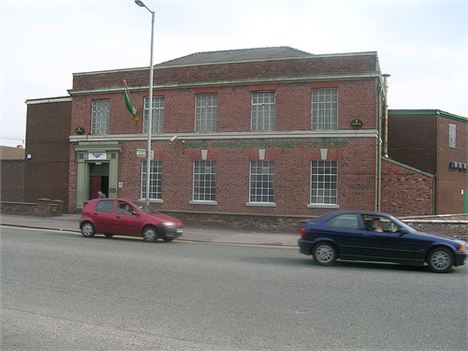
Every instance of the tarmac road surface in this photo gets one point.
(61, 291)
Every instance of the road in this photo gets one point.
(60, 291)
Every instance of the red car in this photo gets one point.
(124, 217)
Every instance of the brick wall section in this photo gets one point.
(291, 158)
(450, 181)
(12, 180)
(455, 229)
(47, 141)
(417, 149)
(329, 65)
(356, 99)
(405, 191)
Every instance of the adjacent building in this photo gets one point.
(436, 142)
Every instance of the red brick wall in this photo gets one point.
(12, 180)
(356, 99)
(234, 71)
(355, 156)
(405, 191)
(356, 173)
(47, 141)
(412, 140)
(451, 181)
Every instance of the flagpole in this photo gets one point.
(150, 114)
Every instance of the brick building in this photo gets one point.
(47, 149)
(247, 136)
(440, 147)
(12, 173)
(271, 132)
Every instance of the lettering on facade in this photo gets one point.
(271, 143)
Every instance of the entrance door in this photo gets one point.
(98, 179)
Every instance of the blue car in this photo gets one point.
(379, 237)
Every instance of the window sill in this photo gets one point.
(260, 204)
(206, 203)
(323, 206)
(152, 201)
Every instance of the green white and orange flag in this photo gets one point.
(128, 103)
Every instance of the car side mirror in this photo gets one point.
(402, 231)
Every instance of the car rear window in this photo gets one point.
(104, 206)
(349, 221)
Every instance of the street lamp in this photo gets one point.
(150, 114)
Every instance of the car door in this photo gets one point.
(345, 230)
(126, 220)
(103, 216)
(390, 244)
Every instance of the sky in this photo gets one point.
(423, 45)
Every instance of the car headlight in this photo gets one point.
(461, 248)
(169, 224)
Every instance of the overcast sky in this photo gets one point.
(422, 44)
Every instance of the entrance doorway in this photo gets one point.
(98, 179)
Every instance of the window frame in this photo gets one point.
(203, 114)
(203, 181)
(452, 136)
(257, 107)
(100, 119)
(324, 121)
(157, 175)
(158, 107)
(256, 199)
(330, 165)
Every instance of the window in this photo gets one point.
(263, 111)
(379, 224)
(324, 109)
(453, 135)
(204, 185)
(100, 117)
(206, 112)
(104, 206)
(155, 179)
(157, 123)
(323, 179)
(261, 181)
(124, 208)
(348, 221)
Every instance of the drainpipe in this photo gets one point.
(378, 153)
(385, 129)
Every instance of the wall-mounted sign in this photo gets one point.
(142, 153)
(356, 123)
(97, 156)
(79, 130)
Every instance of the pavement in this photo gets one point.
(192, 233)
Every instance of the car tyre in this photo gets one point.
(324, 254)
(87, 229)
(149, 234)
(440, 260)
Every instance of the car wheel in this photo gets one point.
(149, 234)
(167, 239)
(87, 230)
(440, 260)
(108, 235)
(324, 254)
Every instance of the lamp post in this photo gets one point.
(150, 114)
